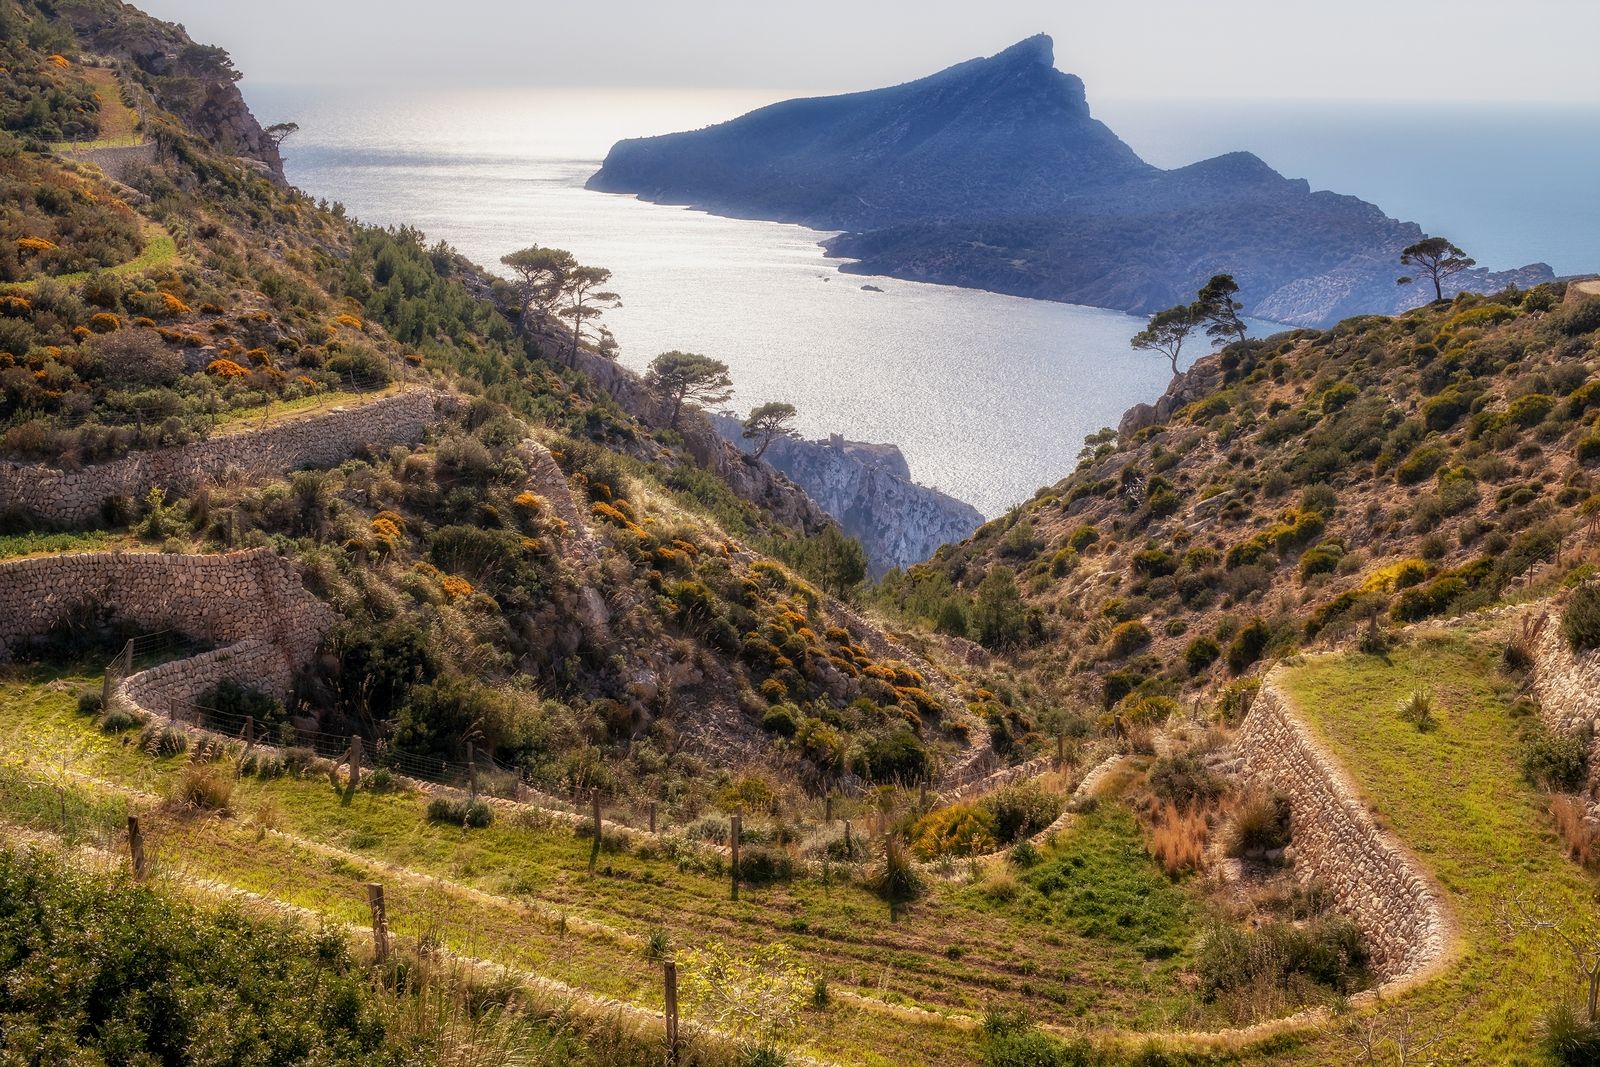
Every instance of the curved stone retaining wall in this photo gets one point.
(318, 440)
(171, 688)
(1372, 878)
(222, 599)
(1567, 685)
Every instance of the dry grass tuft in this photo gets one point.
(1178, 838)
(1580, 836)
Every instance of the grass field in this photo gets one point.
(1092, 937)
(1455, 794)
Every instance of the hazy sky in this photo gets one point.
(1343, 49)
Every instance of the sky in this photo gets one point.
(1424, 50)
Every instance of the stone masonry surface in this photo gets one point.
(319, 440)
(170, 689)
(1566, 685)
(1372, 879)
(222, 599)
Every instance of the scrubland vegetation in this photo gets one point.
(569, 594)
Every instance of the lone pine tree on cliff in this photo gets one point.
(1216, 307)
(1436, 259)
(769, 422)
(541, 277)
(1167, 331)
(677, 377)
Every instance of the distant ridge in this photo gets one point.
(993, 174)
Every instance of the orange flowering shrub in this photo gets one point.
(59, 60)
(528, 501)
(385, 529)
(348, 320)
(35, 244)
(226, 368)
(173, 306)
(104, 322)
(455, 588)
(144, 320)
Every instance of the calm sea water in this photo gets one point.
(989, 396)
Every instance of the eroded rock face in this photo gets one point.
(868, 489)
(756, 482)
(195, 82)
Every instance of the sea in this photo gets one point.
(989, 396)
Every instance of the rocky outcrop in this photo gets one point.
(219, 599)
(319, 440)
(195, 82)
(751, 479)
(868, 489)
(1196, 383)
(1399, 910)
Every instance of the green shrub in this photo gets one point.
(1555, 761)
(90, 702)
(1200, 654)
(1580, 621)
(1568, 1038)
(1419, 465)
(1248, 645)
(458, 811)
(781, 719)
(1183, 781)
(120, 720)
(1580, 319)
(1127, 639)
(1327, 951)
(760, 865)
(1010, 1040)
(1417, 709)
(1020, 811)
(896, 878)
(1261, 823)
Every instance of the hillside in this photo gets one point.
(992, 174)
(385, 679)
(1292, 491)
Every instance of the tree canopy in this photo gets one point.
(541, 276)
(680, 377)
(767, 423)
(1216, 307)
(1167, 332)
(1435, 258)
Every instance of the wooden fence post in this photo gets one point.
(136, 848)
(355, 761)
(249, 730)
(669, 975)
(472, 771)
(594, 849)
(735, 865)
(922, 796)
(827, 808)
(380, 923)
(652, 816)
(849, 849)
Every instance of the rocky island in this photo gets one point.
(992, 174)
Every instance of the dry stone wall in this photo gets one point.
(221, 599)
(317, 441)
(1372, 878)
(172, 688)
(1567, 685)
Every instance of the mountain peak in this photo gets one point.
(1038, 49)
